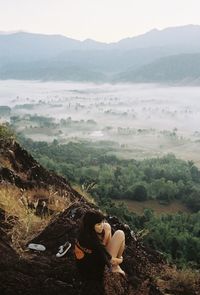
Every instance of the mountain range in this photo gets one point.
(168, 55)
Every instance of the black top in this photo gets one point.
(93, 262)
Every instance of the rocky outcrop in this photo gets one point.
(44, 273)
(23, 171)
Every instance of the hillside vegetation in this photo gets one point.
(107, 178)
(36, 205)
(103, 174)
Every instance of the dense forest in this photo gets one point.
(107, 178)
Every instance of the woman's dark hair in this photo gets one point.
(91, 218)
(88, 237)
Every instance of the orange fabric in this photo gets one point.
(78, 253)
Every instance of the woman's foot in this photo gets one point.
(117, 268)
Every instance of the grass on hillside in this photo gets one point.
(6, 132)
(21, 222)
(84, 193)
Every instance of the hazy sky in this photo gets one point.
(102, 20)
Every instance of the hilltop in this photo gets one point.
(39, 206)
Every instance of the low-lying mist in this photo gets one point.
(141, 120)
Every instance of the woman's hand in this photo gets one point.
(116, 261)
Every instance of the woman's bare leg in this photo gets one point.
(116, 244)
(116, 247)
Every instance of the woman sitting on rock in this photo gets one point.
(96, 247)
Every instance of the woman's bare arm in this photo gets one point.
(107, 236)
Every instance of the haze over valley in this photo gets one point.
(134, 120)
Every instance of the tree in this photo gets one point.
(140, 193)
(193, 201)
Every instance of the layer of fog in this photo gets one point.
(142, 120)
(122, 105)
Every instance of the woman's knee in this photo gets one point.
(120, 234)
